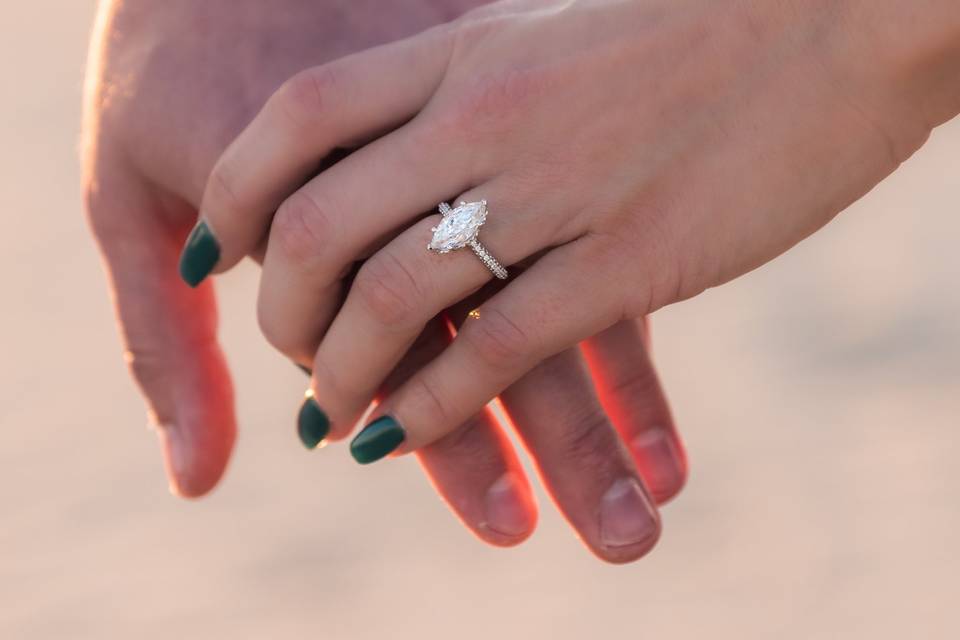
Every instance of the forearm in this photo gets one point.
(896, 63)
(917, 45)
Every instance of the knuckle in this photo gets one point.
(586, 436)
(302, 230)
(152, 370)
(306, 97)
(498, 341)
(277, 334)
(391, 290)
(429, 401)
(492, 105)
(269, 328)
(221, 193)
(640, 381)
(146, 367)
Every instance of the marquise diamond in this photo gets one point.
(459, 227)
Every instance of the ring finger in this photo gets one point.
(396, 293)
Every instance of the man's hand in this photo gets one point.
(169, 85)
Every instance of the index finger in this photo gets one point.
(317, 111)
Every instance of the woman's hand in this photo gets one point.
(169, 85)
(632, 154)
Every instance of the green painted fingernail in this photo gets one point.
(200, 254)
(313, 425)
(379, 438)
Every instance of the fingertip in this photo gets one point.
(197, 431)
(377, 440)
(629, 553)
(194, 466)
(313, 425)
(200, 254)
(510, 512)
(501, 540)
(629, 525)
(664, 493)
(661, 461)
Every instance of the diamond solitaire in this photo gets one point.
(460, 228)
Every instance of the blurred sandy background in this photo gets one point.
(820, 398)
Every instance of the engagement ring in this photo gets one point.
(460, 228)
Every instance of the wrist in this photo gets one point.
(915, 48)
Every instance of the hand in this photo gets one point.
(163, 100)
(632, 154)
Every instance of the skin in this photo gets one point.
(633, 155)
(169, 85)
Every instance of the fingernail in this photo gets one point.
(660, 461)
(626, 516)
(379, 438)
(506, 510)
(313, 425)
(200, 254)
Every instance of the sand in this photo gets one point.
(819, 397)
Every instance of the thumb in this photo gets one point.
(168, 329)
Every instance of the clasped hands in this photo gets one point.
(631, 158)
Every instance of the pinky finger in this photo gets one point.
(538, 315)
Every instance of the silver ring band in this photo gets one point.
(491, 263)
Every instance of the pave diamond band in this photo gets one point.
(492, 263)
(459, 228)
